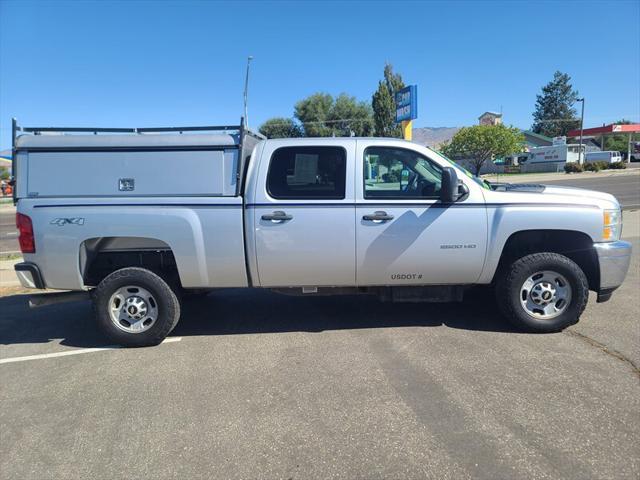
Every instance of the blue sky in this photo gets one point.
(146, 63)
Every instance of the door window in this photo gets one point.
(396, 173)
(307, 173)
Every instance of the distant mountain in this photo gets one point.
(433, 136)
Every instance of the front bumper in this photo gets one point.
(613, 259)
(29, 275)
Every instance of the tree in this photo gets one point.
(554, 114)
(313, 113)
(480, 143)
(619, 143)
(323, 116)
(280, 127)
(348, 116)
(384, 104)
(4, 174)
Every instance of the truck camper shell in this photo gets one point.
(185, 161)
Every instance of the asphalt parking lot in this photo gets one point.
(256, 385)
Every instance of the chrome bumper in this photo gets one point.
(613, 259)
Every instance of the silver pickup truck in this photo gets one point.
(140, 218)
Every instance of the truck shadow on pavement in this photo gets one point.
(241, 311)
(245, 312)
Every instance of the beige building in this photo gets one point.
(490, 118)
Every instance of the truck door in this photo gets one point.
(304, 214)
(404, 234)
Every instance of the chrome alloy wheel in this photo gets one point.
(545, 295)
(133, 309)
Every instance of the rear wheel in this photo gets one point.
(135, 307)
(543, 292)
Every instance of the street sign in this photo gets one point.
(407, 104)
(559, 140)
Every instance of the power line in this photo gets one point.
(316, 122)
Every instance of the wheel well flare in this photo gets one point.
(102, 256)
(575, 245)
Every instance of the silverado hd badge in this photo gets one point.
(455, 246)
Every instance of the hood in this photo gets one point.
(551, 194)
(579, 192)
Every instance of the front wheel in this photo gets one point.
(543, 292)
(135, 307)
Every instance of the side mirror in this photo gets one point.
(449, 186)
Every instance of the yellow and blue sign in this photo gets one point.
(407, 104)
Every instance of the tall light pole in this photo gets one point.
(581, 154)
(246, 91)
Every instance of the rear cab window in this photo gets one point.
(307, 172)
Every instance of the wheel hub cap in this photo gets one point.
(136, 307)
(133, 309)
(545, 295)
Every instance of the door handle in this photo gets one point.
(378, 217)
(277, 216)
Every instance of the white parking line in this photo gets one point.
(73, 352)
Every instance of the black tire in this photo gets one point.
(164, 298)
(512, 278)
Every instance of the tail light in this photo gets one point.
(25, 228)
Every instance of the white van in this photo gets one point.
(608, 156)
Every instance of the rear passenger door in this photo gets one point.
(304, 214)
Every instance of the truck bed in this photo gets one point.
(116, 194)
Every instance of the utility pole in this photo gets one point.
(246, 92)
(581, 154)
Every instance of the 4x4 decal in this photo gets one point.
(67, 221)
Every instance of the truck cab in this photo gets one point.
(355, 212)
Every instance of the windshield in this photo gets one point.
(483, 183)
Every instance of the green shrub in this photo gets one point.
(617, 166)
(573, 168)
(592, 167)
